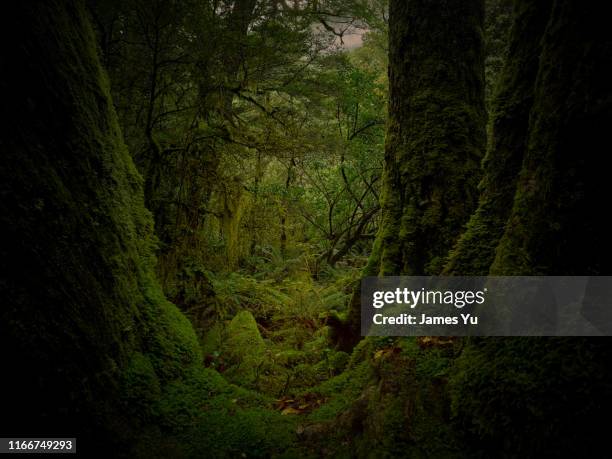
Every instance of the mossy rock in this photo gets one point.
(244, 349)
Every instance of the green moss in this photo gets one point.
(362, 351)
(475, 251)
(389, 403)
(212, 340)
(435, 138)
(290, 357)
(340, 391)
(140, 387)
(244, 349)
(337, 361)
(408, 412)
(209, 414)
(531, 396)
(555, 227)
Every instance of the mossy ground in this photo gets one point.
(275, 386)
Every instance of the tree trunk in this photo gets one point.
(541, 214)
(555, 226)
(435, 136)
(81, 310)
(512, 103)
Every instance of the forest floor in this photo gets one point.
(274, 385)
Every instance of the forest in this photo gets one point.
(192, 190)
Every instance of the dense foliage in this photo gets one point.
(193, 190)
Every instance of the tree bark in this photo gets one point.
(81, 310)
(435, 136)
(555, 226)
(435, 133)
(474, 253)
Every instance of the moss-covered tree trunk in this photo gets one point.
(512, 104)
(83, 324)
(541, 212)
(435, 138)
(555, 225)
(435, 134)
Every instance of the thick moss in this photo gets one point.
(202, 414)
(212, 340)
(435, 133)
(141, 388)
(555, 225)
(541, 396)
(532, 397)
(435, 138)
(408, 411)
(512, 103)
(390, 402)
(84, 325)
(244, 349)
